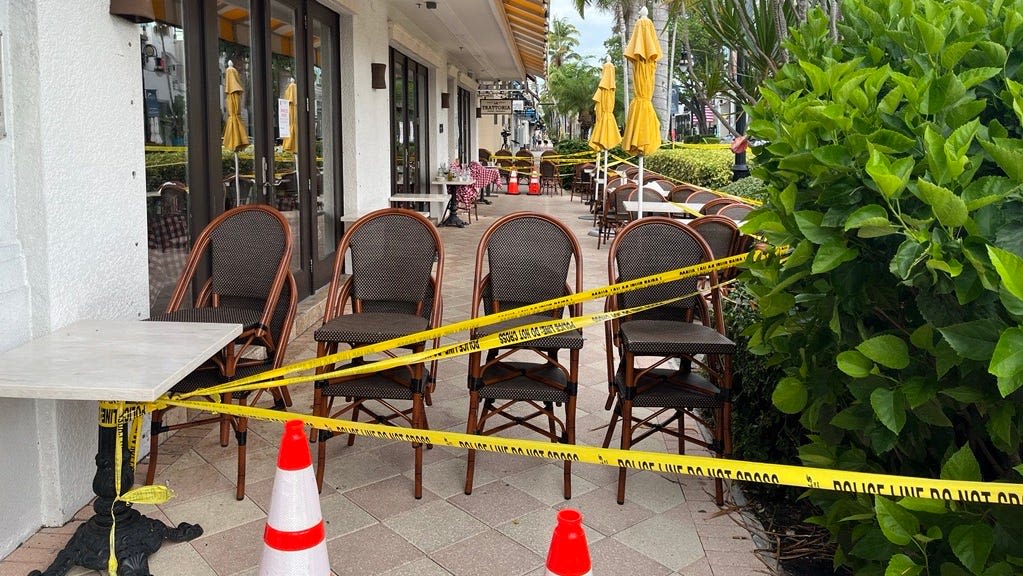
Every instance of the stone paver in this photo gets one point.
(668, 524)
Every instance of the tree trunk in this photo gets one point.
(624, 30)
(659, 15)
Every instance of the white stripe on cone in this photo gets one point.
(295, 504)
(311, 562)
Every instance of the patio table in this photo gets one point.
(112, 360)
(452, 218)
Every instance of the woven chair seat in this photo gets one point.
(571, 340)
(671, 337)
(661, 388)
(523, 387)
(369, 327)
(200, 379)
(393, 384)
(248, 318)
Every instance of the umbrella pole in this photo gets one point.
(237, 180)
(640, 186)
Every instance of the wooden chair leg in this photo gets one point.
(241, 434)
(417, 422)
(470, 428)
(626, 407)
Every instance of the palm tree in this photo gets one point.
(562, 40)
(571, 86)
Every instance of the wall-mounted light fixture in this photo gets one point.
(445, 100)
(379, 75)
(479, 112)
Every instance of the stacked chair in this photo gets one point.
(675, 360)
(525, 258)
(393, 290)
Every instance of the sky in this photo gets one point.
(593, 31)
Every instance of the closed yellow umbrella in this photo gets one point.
(235, 136)
(642, 128)
(605, 130)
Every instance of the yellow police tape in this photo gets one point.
(703, 466)
(509, 337)
(532, 309)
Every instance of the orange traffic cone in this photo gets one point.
(513, 183)
(569, 554)
(534, 184)
(294, 539)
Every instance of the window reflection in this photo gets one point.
(167, 193)
(234, 58)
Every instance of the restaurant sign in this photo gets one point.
(494, 106)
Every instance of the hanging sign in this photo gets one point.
(494, 106)
(283, 118)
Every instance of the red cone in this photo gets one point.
(569, 555)
(294, 538)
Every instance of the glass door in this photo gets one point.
(409, 115)
(324, 198)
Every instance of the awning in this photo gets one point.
(527, 20)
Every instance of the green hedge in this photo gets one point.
(709, 168)
(749, 187)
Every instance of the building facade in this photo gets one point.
(115, 152)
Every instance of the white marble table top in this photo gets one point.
(110, 359)
(420, 198)
(652, 207)
(462, 182)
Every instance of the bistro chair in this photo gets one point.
(524, 258)
(690, 332)
(549, 180)
(736, 211)
(723, 238)
(248, 251)
(631, 172)
(582, 182)
(209, 375)
(614, 215)
(651, 197)
(702, 197)
(503, 159)
(680, 193)
(712, 207)
(484, 155)
(393, 290)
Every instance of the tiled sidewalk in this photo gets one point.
(668, 525)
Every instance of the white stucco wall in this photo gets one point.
(72, 204)
(72, 229)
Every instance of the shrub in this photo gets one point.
(749, 187)
(761, 433)
(893, 166)
(709, 168)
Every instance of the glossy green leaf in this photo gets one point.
(973, 76)
(897, 523)
(887, 350)
(854, 364)
(1009, 160)
(809, 223)
(1010, 269)
(890, 178)
(972, 544)
(948, 208)
(975, 339)
(831, 256)
(789, 395)
(909, 254)
(890, 407)
(962, 465)
(1007, 360)
(869, 215)
(928, 505)
(799, 256)
(902, 565)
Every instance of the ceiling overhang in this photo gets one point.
(489, 39)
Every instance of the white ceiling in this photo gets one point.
(472, 34)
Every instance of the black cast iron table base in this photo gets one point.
(452, 212)
(136, 537)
